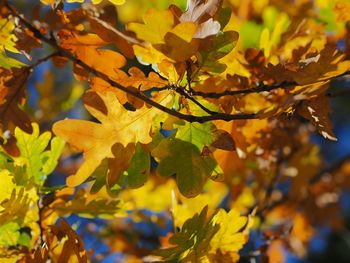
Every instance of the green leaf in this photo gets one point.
(9, 234)
(3, 160)
(25, 239)
(183, 159)
(31, 147)
(139, 169)
(198, 134)
(8, 63)
(222, 44)
(224, 16)
(250, 34)
(57, 145)
(38, 163)
(100, 174)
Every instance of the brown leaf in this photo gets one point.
(12, 89)
(26, 41)
(11, 147)
(317, 112)
(223, 140)
(120, 162)
(73, 247)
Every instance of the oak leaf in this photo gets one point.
(317, 112)
(87, 49)
(230, 237)
(84, 204)
(208, 240)
(183, 159)
(156, 25)
(110, 34)
(192, 243)
(12, 95)
(179, 44)
(117, 125)
(72, 249)
(36, 160)
(8, 42)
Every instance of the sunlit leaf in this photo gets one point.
(37, 161)
(96, 139)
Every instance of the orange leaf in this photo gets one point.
(85, 48)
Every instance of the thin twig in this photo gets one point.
(258, 89)
(329, 169)
(188, 96)
(44, 59)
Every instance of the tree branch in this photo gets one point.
(329, 169)
(258, 89)
(188, 96)
(46, 58)
(65, 53)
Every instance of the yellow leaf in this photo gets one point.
(179, 43)
(342, 9)
(156, 25)
(15, 201)
(147, 197)
(229, 238)
(7, 39)
(117, 2)
(186, 208)
(96, 140)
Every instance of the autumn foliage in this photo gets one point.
(192, 118)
